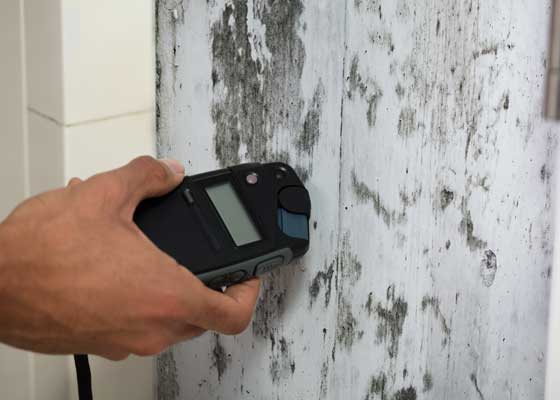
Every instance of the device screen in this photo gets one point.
(233, 213)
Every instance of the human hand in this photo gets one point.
(78, 276)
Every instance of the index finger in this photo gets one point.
(229, 312)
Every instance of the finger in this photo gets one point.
(229, 312)
(146, 177)
(114, 356)
(74, 181)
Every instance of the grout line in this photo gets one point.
(90, 121)
(24, 98)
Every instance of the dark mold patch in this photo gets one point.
(346, 325)
(408, 393)
(322, 279)
(282, 364)
(254, 97)
(434, 304)
(467, 228)
(270, 308)
(391, 321)
(488, 268)
(311, 126)
(446, 197)
(369, 304)
(428, 382)
(349, 264)
(324, 385)
(220, 358)
(545, 173)
(407, 122)
(167, 385)
(366, 89)
(383, 39)
(365, 194)
(477, 388)
(377, 387)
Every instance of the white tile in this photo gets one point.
(46, 166)
(108, 58)
(12, 113)
(14, 374)
(44, 57)
(95, 147)
(132, 378)
(52, 377)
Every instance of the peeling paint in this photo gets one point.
(488, 268)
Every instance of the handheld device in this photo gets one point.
(229, 225)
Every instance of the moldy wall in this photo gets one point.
(417, 127)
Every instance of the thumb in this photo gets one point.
(146, 177)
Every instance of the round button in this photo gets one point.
(280, 173)
(252, 178)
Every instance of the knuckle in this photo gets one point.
(149, 347)
(155, 170)
(237, 326)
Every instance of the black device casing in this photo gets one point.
(186, 225)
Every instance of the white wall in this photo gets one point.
(77, 81)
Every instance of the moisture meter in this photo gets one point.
(229, 225)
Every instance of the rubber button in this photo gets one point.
(269, 265)
(227, 279)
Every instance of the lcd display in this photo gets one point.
(233, 213)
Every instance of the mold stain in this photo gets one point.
(377, 387)
(366, 89)
(390, 321)
(167, 384)
(220, 358)
(408, 393)
(270, 309)
(364, 194)
(311, 132)
(428, 382)
(446, 197)
(323, 279)
(467, 228)
(434, 304)
(488, 268)
(252, 96)
(350, 266)
(475, 384)
(346, 325)
(282, 364)
(324, 384)
(407, 122)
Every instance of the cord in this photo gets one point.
(83, 374)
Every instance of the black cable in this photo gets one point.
(84, 376)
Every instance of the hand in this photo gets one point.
(78, 276)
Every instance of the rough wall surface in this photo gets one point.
(416, 125)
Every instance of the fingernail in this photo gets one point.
(174, 165)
